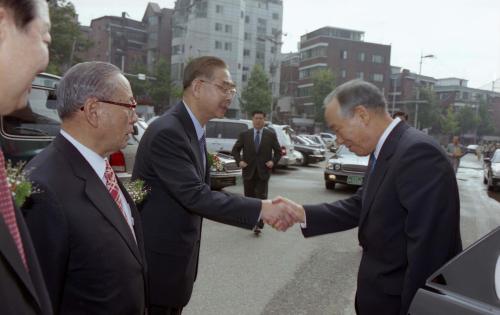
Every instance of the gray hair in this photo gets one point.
(83, 81)
(357, 92)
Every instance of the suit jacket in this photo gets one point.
(408, 214)
(269, 150)
(90, 260)
(170, 161)
(21, 292)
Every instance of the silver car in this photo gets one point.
(345, 167)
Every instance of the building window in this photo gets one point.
(219, 9)
(218, 45)
(229, 28)
(343, 73)
(273, 49)
(201, 9)
(228, 46)
(244, 78)
(343, 54)
(242, 14)
(246, 52)
(361, 56)
(276, 16)
(304, 91)
(377, 77)
(313, 53)
(377, 59)
(177, 49)
(247, 19)
(360, 75)
(248, 36)
(218, 27)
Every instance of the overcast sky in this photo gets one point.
(464, 35)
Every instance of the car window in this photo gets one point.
(496, 157)
(38, 119)
(232, 130)
(343, 150)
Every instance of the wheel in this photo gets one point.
(491, 188)
(329, 185)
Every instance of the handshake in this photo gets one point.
(281, 213)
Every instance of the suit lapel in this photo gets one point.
(98, 194)
(381, 167)
(181, 112)
(9, 251)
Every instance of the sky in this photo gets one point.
(463, 35)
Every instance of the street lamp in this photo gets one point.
(422, 57)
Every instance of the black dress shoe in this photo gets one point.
(256, 231)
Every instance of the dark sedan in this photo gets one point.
(313, 153)
(345, 167)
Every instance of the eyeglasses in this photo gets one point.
(229, 91)
(131, 106)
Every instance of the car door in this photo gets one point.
(469, 284)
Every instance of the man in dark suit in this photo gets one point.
(172, 160)
(85, 227)
(261, 151)
(24, 29)
(407, 210)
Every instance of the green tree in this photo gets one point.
(467, 119)
(323, 84)
(429, 114)
(160, 89)
(67, 39)
(449, 123)
(257, 94)
(485, 123)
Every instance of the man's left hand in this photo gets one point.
(269, 164)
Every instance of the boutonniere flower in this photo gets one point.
(136, 190)
(215, 163)
(19, 184)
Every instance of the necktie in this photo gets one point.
(373, 161)
(114, 190)
(257, 140)
(7, 211)
(203, 143)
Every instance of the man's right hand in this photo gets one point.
(243, 164)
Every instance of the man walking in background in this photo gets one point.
(261, 152)
(455, 152)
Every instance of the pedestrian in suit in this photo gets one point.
(172, 160)
(261, 151)
(24, 40)
(407, 211)
(85, 227)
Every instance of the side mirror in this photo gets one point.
(135, 132)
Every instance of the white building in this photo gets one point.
(241, 32)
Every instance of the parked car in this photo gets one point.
(287, 152)
(329, 139)
(224, 171)
(313, 153)
(299, 158)
(317, 139)
(492, 171)
(469, 284)
(345, 167)
(221, 134)
(471, 148)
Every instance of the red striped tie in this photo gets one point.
(7, 210)
(114, 190)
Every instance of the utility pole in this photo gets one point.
(422, 57)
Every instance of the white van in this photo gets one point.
(222, 133)
(288, 156)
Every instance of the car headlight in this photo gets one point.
(329, 166)
(316, 152)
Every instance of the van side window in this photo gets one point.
(232, 130)
(211, 129)
(39, 118)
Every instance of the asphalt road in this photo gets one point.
(283, 273)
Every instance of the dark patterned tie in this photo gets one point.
(7, 210)
(257, 140)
